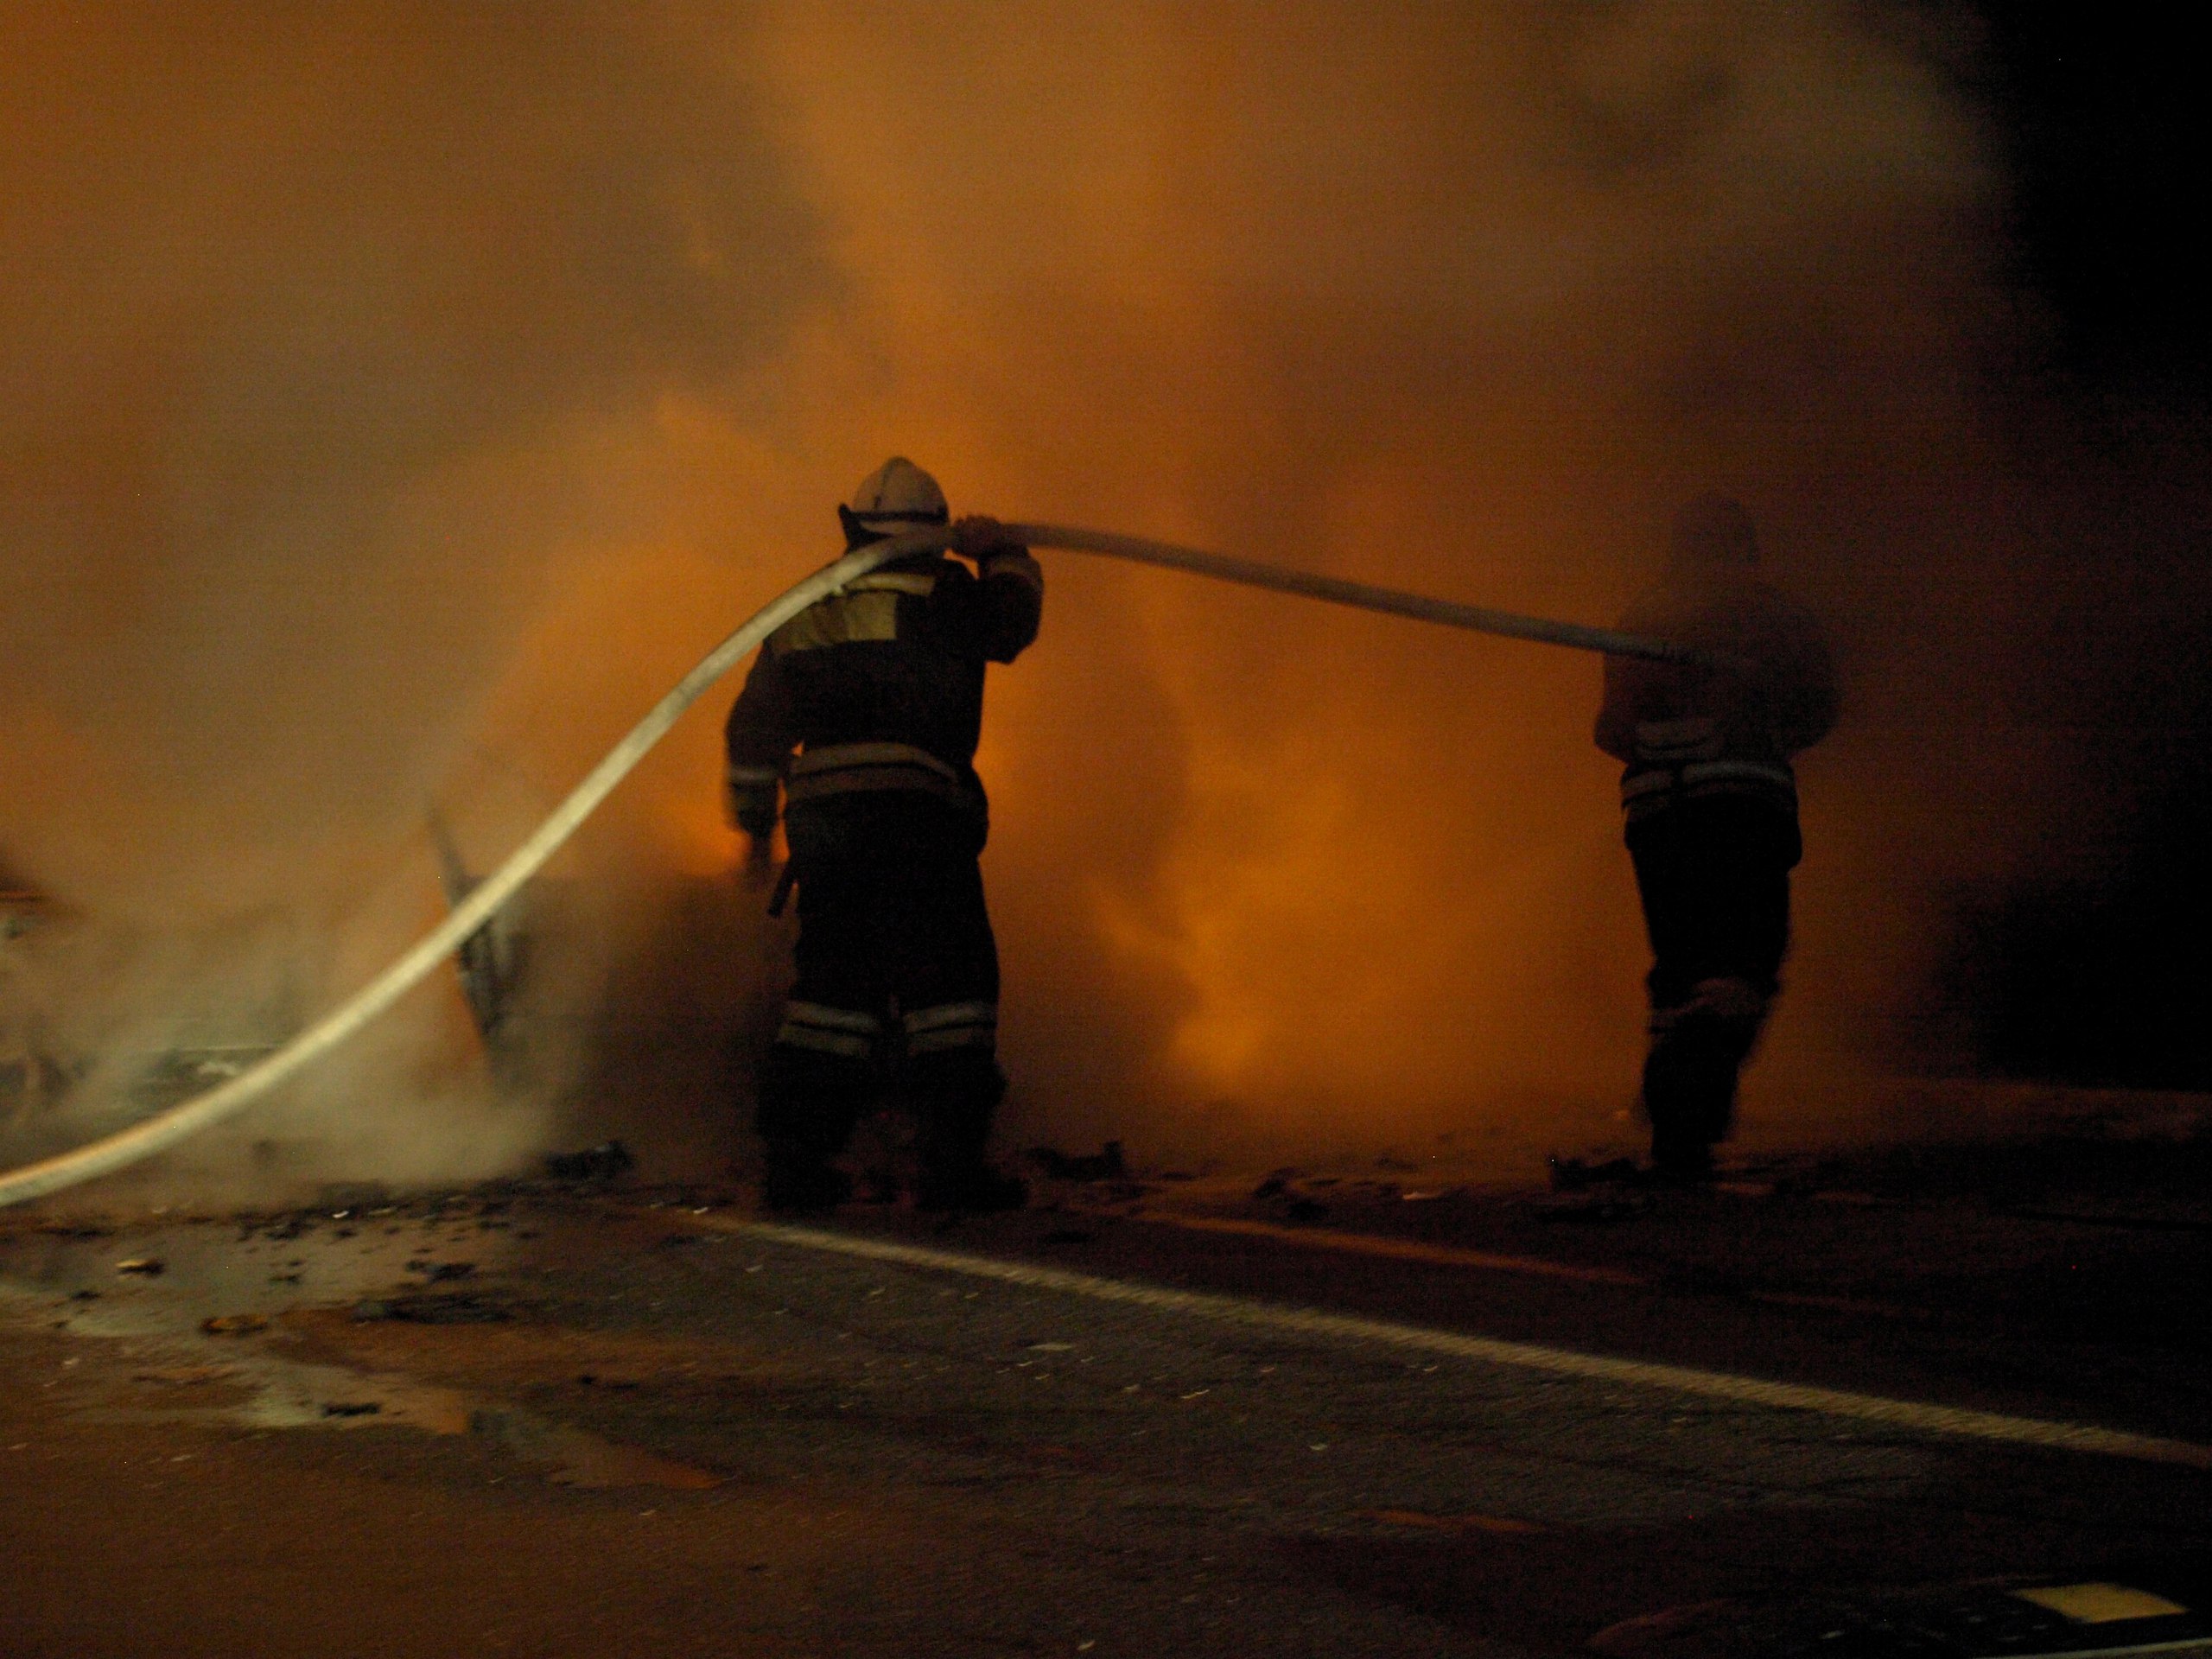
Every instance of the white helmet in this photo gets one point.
(897, 496)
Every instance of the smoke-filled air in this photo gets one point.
(396, 398)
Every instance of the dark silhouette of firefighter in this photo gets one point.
(1711, 805)
(880, 691)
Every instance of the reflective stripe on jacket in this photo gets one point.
(881, 685)
(1728, 729)
(849, 768)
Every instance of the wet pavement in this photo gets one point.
(546, 1420)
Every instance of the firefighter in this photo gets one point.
(880, 690)
(1711, 805)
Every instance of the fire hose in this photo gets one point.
(156, 1133)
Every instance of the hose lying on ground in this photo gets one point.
(144, 1139)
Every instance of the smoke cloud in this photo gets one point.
(1462, 299)
(395, 398)
(336, 343)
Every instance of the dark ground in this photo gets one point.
(555, 1420)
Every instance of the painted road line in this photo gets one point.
(1920, 1416)
(1424, 1521)
(1396, 1249)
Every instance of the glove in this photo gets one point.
(759, 859)
(978, 537)
(752, 806)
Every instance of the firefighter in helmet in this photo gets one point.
(1711, 805)
(880, 690)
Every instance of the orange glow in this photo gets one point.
(1396, 292)
(419, 482)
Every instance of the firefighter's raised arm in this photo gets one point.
(1013, 586)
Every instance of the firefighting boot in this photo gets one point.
(1697, 1053)
(953, 1096)
(1689, 1086)
(970, 1189)
(808, 1103)
(794, 1186)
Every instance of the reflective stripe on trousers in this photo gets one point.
(830, 1031)
(952, 1025)
(1640, 791)
(846, 1032)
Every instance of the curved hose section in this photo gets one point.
(142, 1140)
(156, 1133)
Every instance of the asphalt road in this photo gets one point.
(555, 1420)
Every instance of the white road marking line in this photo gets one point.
(1951, 1420)
(1396, 1249)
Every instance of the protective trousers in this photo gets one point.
(898, 977)
(1713, 874)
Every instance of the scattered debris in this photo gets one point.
(1594, 1208)
(184, 1376)
(148, 1267)
(608, 1161)
(1572, 1175)
(437, 1272)
(344, 1196)
(233, 1325)
(1108, 1164)
(427, 1309)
